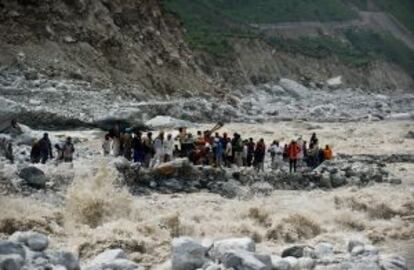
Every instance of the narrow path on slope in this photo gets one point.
(367, 19)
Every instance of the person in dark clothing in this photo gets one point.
(250, 152)
(35, 152)
(138, 147)
(313, 141)
(45, 148)
(259, 155)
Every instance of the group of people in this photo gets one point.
(42, 150)
(206, 148)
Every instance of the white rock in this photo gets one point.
(334, 82)
(280, 264)
(401, 116)
(324, 250)
(294, 89)
(371, 250)
(222, 246)
(353, 243)
(357, 250)
(162, 121)
(108, 256)
(306, 263)
(292, 261)
(187, 254)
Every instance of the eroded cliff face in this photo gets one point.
(256, 62)
(129, 46)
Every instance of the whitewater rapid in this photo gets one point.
(96, 212)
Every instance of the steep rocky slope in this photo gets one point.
(130, 46)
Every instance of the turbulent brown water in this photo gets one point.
(98, 213)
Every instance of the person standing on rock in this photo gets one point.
(45, 148)
(116, 146)
(168, 148)
(106, 145)
(259, 155)
(276, 154)
(238, 150)
(68, 150)
(35, 152)
(300, 155)
(218, 150)
(250, 152)
(228, 153)
(148, 149)
(159, 150)
(181, 137)
(313, 141)
(245, 152)
(138, 147)
(293, 154)
(327, 153)
(127, 144)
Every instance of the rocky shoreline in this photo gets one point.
(65, 104)
(29, 250)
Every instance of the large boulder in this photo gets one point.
(65, 259)
(11, 262)
(12, 248)
(222, 246)
(294, 89)
(33, 176)
(245, 260)
(169, 168)
(187, 254)
(33, 240)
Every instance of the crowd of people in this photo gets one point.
(213, 148)
(206, 148)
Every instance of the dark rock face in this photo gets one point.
(34, 177)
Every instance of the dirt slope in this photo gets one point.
(126, 45)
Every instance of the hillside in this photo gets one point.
(356, 35)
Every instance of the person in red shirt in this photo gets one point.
(293, 155)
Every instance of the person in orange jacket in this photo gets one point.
(327, 153)
(293, 155)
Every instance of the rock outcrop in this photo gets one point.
(238, 255)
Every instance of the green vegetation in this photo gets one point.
(373, 45)
(211, 23)
(322, 47)
(402, 10)
(362, 47)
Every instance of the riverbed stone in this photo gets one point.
(187, 254)
(33, 177)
